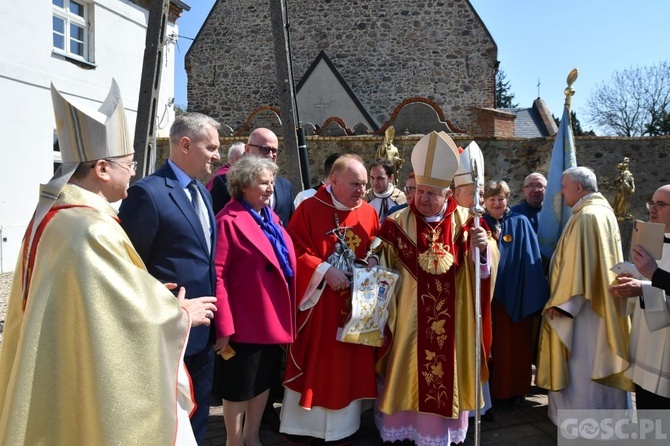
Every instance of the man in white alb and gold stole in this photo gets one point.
(650, 334)
(583, 351)
(428, 368)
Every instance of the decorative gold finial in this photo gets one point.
(570, 92)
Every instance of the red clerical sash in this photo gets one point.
(29, 257)
(433, 259)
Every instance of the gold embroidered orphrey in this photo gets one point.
(436, 259)
(437, 314)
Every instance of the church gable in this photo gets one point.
(386, 50)
(323, 93)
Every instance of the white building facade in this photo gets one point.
(79, 45)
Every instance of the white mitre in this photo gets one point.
(470, 157)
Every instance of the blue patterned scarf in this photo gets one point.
(274, 234)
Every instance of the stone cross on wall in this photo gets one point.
(321, 106)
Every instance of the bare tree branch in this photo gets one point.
(635, 102)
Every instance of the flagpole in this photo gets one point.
(555, 212)
(478, 212)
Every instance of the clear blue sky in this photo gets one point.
(538, 39)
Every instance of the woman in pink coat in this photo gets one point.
(255, 268)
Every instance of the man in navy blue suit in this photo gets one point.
(262, 142)
(168, 216)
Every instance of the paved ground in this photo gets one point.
(523, 425)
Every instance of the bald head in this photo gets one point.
(535, 177)
(657, 212)
(264, 143)
(348, 179)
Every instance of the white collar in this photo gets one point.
(582, 199)
(386, 194)
(339, 206)
(438, 217)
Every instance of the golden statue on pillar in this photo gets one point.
(624, 188)
(390, 152)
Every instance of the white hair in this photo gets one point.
(584, 176)
(236, 150)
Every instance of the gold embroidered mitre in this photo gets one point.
(83, 135)
(435, 160)
(87, 135)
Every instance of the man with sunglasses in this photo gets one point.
(650, 333)
(264, 143)
(410, 190)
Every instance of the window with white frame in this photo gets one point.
(71, 27)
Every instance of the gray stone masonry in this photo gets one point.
(510, 159)
(386, 50)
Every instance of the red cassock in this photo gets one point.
(326, 372)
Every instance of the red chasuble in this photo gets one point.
(325, 372)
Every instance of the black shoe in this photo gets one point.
(517, 399)
(488, 416)
(271, 420)
(298, 439)
(351, 439)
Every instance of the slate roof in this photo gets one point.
(528, 123)
(534, 122)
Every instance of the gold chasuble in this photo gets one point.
(589, 246)
(429, 364)
(92, 350)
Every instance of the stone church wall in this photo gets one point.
(386, 50)
(511, 159)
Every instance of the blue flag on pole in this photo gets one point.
(555, 213)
